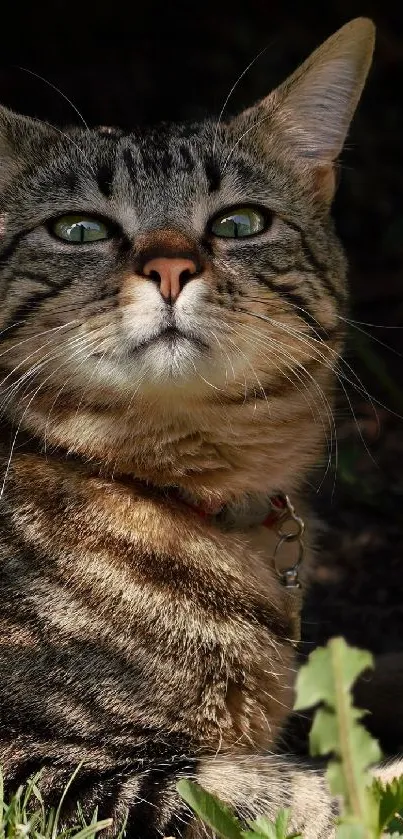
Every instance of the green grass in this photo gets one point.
(25, 816)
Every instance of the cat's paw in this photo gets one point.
(386, 772)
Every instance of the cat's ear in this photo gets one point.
(318, 101)
(313, 108)
(20, 141)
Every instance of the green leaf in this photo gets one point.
(282, 820)
(390, 797)
(351, 831)
(337, 664)
(341, 735)
(266, 829)
(91, 829)
(396, 825)
(327, 678)
(210, 809)
(250, 834)
(263, 827)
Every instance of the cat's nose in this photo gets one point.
(171, 273)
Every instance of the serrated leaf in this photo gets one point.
(396, 825)
(210, 809)
(341, 735)
(358, 799)
(324, 736)
(316, 680)
(390, 796)
(327, 678)
(263, 827)
(282, 820)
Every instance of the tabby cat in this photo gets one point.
(171, 318)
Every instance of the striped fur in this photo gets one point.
(136, 636)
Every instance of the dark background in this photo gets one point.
(127, 64)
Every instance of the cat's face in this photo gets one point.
(233, 320)
(194, 261)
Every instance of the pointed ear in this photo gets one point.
(20, 141)
(318, 101)
(313, 108)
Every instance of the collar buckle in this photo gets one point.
(290, 529)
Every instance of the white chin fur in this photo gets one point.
(164, 360)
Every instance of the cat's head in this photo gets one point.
(179, 266)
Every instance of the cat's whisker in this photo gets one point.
(36, 368)
(372, 325)
(318, 336)
(274, 363)
(32, 370)
(70, 140)
(372, 337)
(11, 326)
(358, 384)
(332, 425)
(69, 343)
(332, 442)
(228, 97)
(341, 377)
(313, 344)
(135, 392)
(20, 385)
(35, 335)
(239, 140)
(69, 378)
(203, 379)
(13, 444)
(224, 352)
(250, 365)
(57, 89)
(90, 378)
(264, 340)
(296, 373)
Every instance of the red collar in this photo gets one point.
(278, 504)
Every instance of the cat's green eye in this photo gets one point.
(239, 223)
(80, 229)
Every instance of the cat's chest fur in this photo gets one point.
(112, 574)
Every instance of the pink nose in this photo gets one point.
(171, 273)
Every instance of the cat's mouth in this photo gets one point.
(171, 338)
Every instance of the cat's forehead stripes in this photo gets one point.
(105, 179)
(187, 158)
(170, 156)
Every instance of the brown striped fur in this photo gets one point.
(136, 635)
